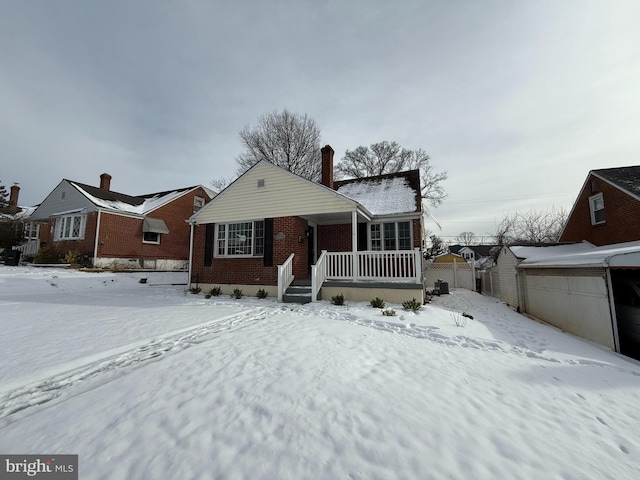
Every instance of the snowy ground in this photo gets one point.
(149, 382)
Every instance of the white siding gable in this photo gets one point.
(267, 191)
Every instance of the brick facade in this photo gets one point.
(622, 216)
(120, 236)
(289, 236)
(84, 246)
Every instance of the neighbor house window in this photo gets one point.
(70, 227)
(31, 230)
(151, 237)
(391, 236)
(240, 239)
(198, 203)
(596, 207)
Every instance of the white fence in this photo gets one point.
(456, 274)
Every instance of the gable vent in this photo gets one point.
(261, 183)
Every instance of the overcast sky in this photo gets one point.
(516, 100)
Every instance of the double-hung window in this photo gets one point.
(31, 230)
(242, 239)
(596, 208)
(390, 236)
(70, 227)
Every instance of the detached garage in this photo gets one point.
(591, 292)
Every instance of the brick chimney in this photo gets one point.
(327, 166)
(13, 198)
(105, 181)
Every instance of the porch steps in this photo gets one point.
(298, 292)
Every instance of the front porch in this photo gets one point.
(364, 274)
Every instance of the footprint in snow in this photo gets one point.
(581, 396)
(623, 449)
(601, 420)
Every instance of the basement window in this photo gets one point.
(152, 228)
(596, 208)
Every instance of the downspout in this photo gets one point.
(190, 255)
(95, 248)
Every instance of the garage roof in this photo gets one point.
(585, 255)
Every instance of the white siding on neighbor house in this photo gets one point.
(507, 277)
(55, 203)
(282, 195)
(574, 300)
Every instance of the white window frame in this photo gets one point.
(596, 201)
(66, 225)
(222, 240)
(153, 242)
(31, 231)
(198, 203)
(379, 227)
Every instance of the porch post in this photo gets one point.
(417, 264)
(354, 244)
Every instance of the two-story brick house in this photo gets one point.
(607, 210)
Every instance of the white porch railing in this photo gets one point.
(388, 266)
(318, 275)
(285, 276)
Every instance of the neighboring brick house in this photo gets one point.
(607, 210)
(116, 230)
(357, 237)
(14, 222)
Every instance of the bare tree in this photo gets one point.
(389, 157)
(437, 247)
(286, 139)
(289, 140)
(466, 238)
(532, 227)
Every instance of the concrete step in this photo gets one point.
(297, 294)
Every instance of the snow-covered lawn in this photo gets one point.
(145, 381)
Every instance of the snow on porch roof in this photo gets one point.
(384, 194)
(586, 255)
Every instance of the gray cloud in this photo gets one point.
(516, 100)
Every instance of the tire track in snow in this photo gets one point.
(108, 365)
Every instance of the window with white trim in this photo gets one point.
(151, 237)
(70, 227)
(31, 230)
(390, 236)
(596, 208)
(244, 239)
(198, 203)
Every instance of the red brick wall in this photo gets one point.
(251, 271)
(622, 214)
(337, 238)
(334, 238)
(121, 236)
(84, 246)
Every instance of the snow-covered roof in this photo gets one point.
(535, 253)
(128, 204)
(385, 194)
(22, 213)
(583, 254)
